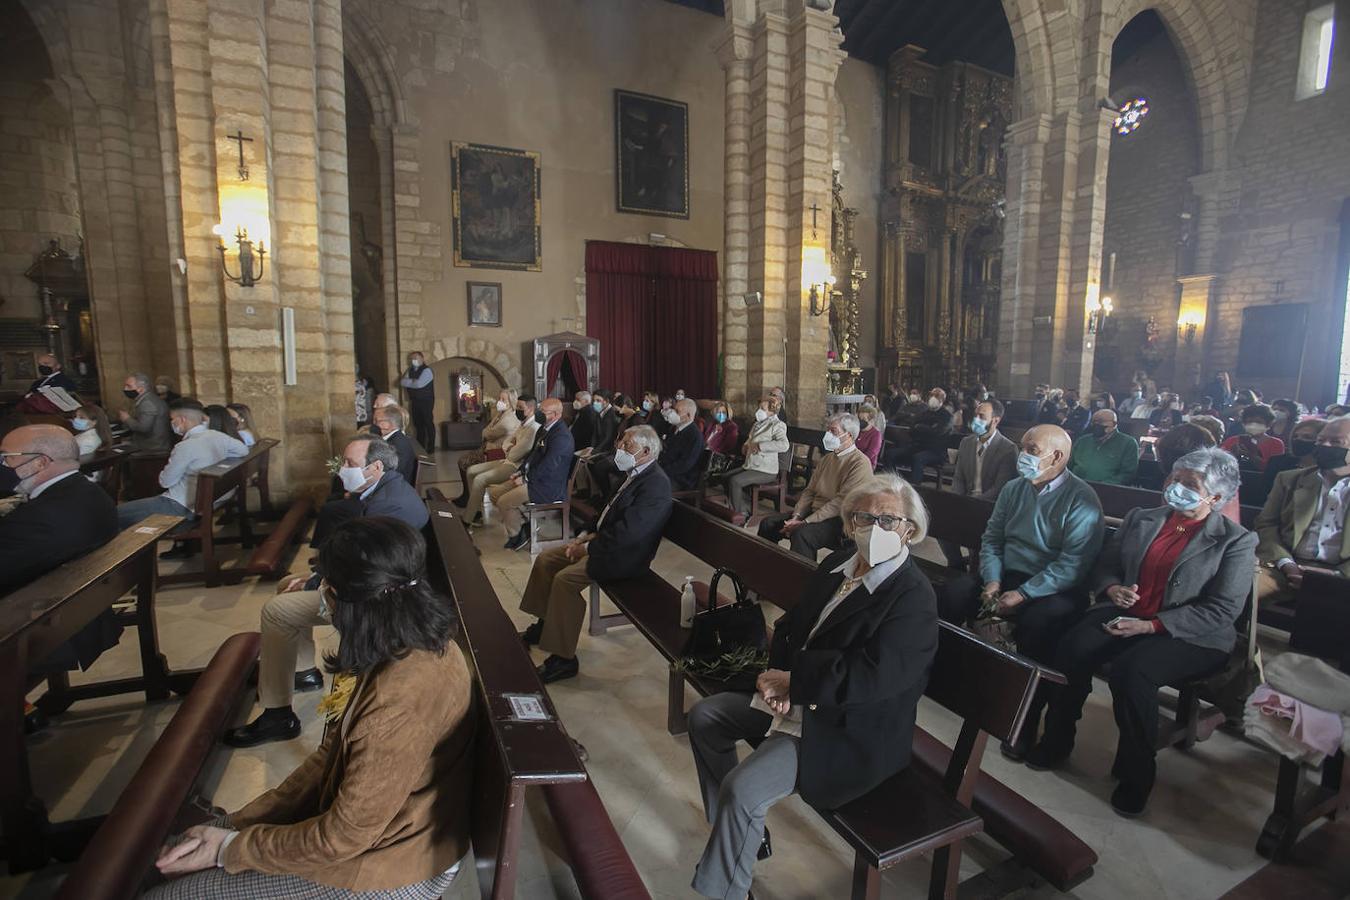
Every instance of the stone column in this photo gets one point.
(1026, 150)
(814, 49)
(734, 53)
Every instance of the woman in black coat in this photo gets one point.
(833, 715)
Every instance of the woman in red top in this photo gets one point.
(1257, 447)
(1170, 584)
(869, 435)
(720, 433)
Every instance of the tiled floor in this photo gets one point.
(1196, 840)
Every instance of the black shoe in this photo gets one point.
(308, 680)
(555, 668)
(521, 539)
(1043, 758)
(270, 726)
(461, 501)
(765, 847)
(532, 634)
(178, 551)
(1129, 800)
(1015, 752)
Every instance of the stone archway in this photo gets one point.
(471, 347)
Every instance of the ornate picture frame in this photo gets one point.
(651, 155)
(495, 207)
(485, 303)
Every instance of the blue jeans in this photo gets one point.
(134, 511)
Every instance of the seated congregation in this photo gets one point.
(1023, 542)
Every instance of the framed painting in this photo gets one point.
(651, 146)
(485, 303)
(494, 194)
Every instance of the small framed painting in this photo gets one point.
(485, 303)
(651, 138)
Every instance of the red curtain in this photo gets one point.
(574, 377)
(654, 311)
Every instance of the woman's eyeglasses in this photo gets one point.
(887, 523)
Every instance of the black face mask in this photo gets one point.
(45, 370)
(9, 480)
(1329, 457)
(520, 414)
(1098, 431)
(539, 417)
(1303, 448)
(131, 395)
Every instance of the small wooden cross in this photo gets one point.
(238, 138)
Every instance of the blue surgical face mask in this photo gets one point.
(1181, 498)
(720, 417)
(81, 424)
(978, 426)
(646, 406)
(598, 406)
(1028, 465)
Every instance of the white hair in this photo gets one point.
(646, 436)
(846, 421)
(686, 406)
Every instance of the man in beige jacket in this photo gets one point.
(815, 524)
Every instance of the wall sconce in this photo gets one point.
(246, 276)
(1098, 312)
(816, 273)
(1188, 323)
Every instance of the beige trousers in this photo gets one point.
(479, 478)
(288, 622)
(508, 498)
(555, 595)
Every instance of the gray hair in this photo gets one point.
(141, 379)
(379, 450)
(846, 421)
(394, 414)
(892, 485)
(383, 400)
(686, 406)
(646, 436)
(583, 396)
(1217, 467)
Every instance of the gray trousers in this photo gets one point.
(739, 483)
(736, 795)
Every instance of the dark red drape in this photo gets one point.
(576, 365)
(654, 311)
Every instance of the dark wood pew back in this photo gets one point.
(111, 462)
(511, 754)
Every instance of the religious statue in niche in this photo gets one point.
(469, 395)
(494, 194)
(651, 155)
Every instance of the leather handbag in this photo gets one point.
(729, 643)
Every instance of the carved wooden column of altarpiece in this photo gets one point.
(942, 229)
(845, 373)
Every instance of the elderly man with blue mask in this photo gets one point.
(1035, 555)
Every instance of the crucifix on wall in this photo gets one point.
(238, 138)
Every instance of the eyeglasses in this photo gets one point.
(10, 454)
(887, 523)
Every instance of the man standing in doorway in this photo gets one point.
(420, 383)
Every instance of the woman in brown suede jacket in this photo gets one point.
(381, 808)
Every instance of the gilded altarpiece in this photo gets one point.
(942, 221)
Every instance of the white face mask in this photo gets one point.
(934, 403)
(671, 416)
(1255, 429)
(352, 478)
(830, 441)
(624, 461)
(501, 406)
(876, 545)
(679, 395)
(761, 415)
(417, 364)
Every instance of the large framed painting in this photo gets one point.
(494, 192)
(651, 138)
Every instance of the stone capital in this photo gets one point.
(1031, 130)
(736, 46)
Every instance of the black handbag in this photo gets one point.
(730, 643)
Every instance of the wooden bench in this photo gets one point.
(37, 619)
(1321, 629)
(214, 485)
(513, 755)
(777, 576)
(110, 462)
(115, 863)
(272, 557)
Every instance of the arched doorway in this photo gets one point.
(364, 192)
(1149, 238)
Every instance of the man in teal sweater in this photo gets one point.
(1041, 541)
(1105, 453)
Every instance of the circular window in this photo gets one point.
(1131, 116)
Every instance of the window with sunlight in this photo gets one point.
(1314, 68)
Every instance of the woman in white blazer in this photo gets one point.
(768, 438)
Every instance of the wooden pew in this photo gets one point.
(513, 755)
(111, 462)
(1119, 499)
(122, 852)
(214, 484)
(37, 619)
(272, 557)
(775, 575)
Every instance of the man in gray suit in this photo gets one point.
(148, 418)
(985, 462)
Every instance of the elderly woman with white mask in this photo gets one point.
(836, 706)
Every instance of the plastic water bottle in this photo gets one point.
(688, 603)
